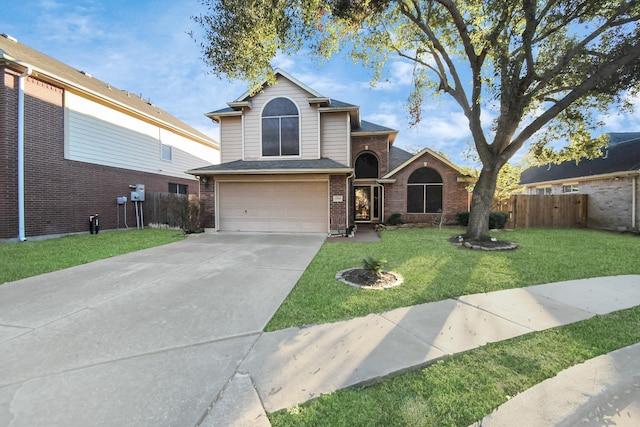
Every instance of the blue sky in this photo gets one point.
(142, 46)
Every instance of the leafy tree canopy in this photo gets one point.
(545, 69)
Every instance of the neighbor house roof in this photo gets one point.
(273, 167)
(20, 57)
(621, 156)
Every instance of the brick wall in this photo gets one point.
(455, 195)
(377, 145)
(609, 205)
(59, 194)
(208, 199)
(338, 209)
(8, 153)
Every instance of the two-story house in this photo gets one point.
(294, 160)
(71, 146)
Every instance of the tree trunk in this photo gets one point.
(483, 192)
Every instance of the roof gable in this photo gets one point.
(410, 160)
(280, 73)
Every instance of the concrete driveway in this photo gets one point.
(146, 339)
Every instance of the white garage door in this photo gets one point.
(290, 207)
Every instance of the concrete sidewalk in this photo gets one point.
(291, 366)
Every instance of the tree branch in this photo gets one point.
(604, 72)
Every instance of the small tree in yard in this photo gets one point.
(547, 66)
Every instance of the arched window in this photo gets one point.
(280, 128)
(424, 191)
(366, 166)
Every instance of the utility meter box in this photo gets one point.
(138, 194)
(121, 200)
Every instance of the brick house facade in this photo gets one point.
(60, 192)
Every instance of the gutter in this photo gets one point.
(270, 171)
(21, 216)
(622, 174)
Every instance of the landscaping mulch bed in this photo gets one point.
(366, 279)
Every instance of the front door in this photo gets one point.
(368, 200)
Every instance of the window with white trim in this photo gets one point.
(166, 152)
(280, 128)
(570, 188)
(544, 191)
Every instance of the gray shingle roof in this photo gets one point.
(397, 156)
(275, 166)
(13, 51)
(621, 155)
(367, 127)
(339, 104)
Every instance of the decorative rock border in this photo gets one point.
(507, 246)
(492, 245)
(399, 280)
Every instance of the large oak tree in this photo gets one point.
(545, 68)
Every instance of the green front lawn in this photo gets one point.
(30, 258)
(460, 389)
(434, 269)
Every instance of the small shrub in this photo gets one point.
(395, 219)
(497, 220)
(186, 212)
(374, 264)
(462, 218)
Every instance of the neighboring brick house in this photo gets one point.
(79, 144)
(294, 160)
(610, 182)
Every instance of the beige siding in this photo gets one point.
(308, 120)
(99, 135)
(334, 136)
(231, 139)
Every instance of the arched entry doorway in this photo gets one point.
(368, 194)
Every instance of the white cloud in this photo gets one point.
(402, 73)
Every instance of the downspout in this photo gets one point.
(633, 202)
(21, 221)
(347, 205)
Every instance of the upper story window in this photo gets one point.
(280, 128)
(166, 152)
(366, 166)
(424, 191)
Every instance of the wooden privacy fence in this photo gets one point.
(554, 211)
(156, 208)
